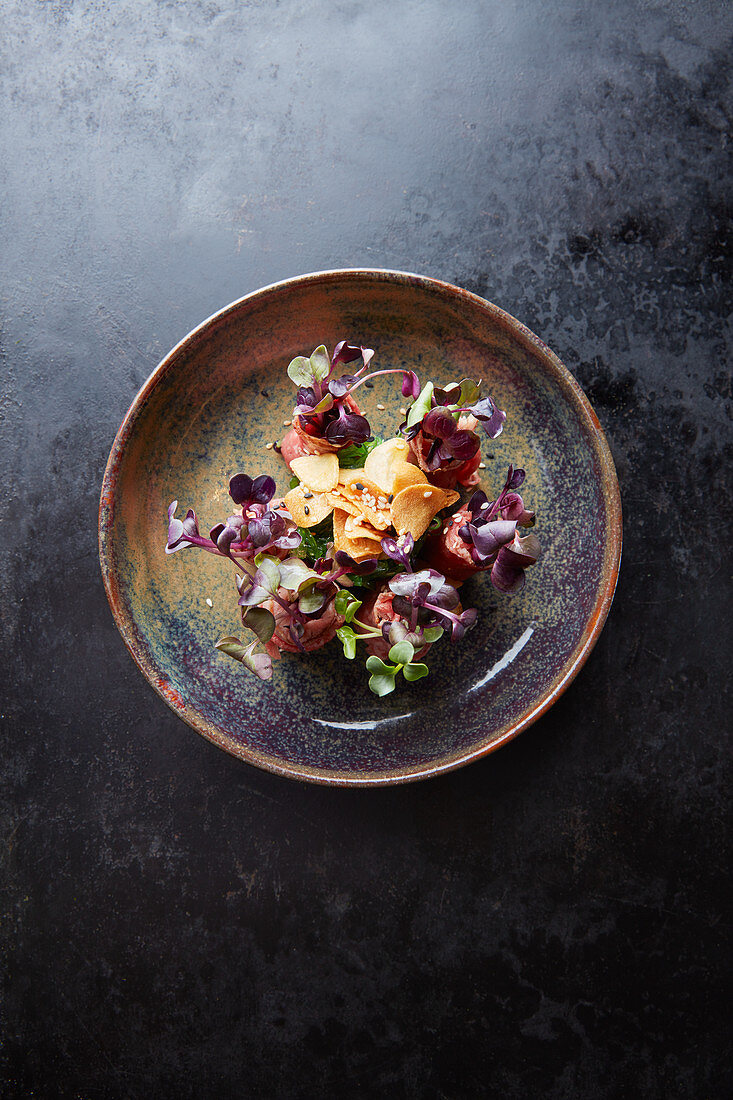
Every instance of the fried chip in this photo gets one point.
(382, 463)
(317, 472)
(338, 501)
(359, 528)
(358, 548)
(373, 503)
(407, 474)
(308, 510)
(345, 475)
(414, 507)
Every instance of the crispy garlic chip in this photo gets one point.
(358, 548)
(384, 461)
(372, 502)
(307, 508)
(317, 472)
(414, 507)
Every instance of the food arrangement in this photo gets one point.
(373, 539)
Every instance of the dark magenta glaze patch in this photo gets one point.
(203, 415)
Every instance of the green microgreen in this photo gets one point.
(383, 675)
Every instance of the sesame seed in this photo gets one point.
(369, 385)
(307, 494)
(268, 446)
(485, 505)
(287, 423)
(209, 602)
(359, 487)
(446, 529)
(381, 407)
(403, 412)
(428, 493)
(390, 498)
(307, 510)
(482, 465)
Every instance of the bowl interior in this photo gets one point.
(209, 411)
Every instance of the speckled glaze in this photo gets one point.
(208, 410)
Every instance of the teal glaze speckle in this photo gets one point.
(202, 417)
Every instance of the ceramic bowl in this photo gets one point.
(208, 411)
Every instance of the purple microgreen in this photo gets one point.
(478, 504)
(258, 663)
(263, 585)
(489, 538)
(180, 531)
(507, 572)
(348, 427)
(310, 403)
(259, 620)
(295, 630)
(439, 423)
(262, 529)
(224, 534)
(245, 490)
(448, 396)
(410, 384)
(349, 353)
(514, 479)
(492, 418)
(339, 387)
(422, 586)
(512, 507)
(358, 568)
(400, 549)
(428, 592)
(462, 445)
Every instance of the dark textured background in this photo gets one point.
(549, 922)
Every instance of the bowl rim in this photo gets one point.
(390, 776)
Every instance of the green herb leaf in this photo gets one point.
(347, 638)
(320, 364)
(260, 620)
(470, 393)
(402, 653)
(376, 664)
(346, 605)
(311, 600)
(294, 574)
(300, 371)
(432, 633)
(259, 663)
(415, 672)
(354, 456)
(421, 405)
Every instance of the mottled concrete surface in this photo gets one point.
(548, 923)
